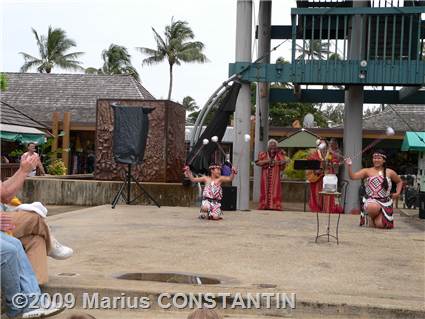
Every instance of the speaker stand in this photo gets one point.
(127, 197)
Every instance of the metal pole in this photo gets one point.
(243, 104)
(353, 112)
(128, 201)
(262, 94)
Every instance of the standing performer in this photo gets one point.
(272, 163)
(377, 204)
(31, 152)
(329, 160)
(316, 177)
(213, 193)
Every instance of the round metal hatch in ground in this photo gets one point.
(266, 286)
(177, 278)
(67, 274)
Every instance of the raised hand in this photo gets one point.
(186, 171)
(29, 163)
(348, 161)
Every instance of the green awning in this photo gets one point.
(21, 134)
(413, 141)
(301, 139)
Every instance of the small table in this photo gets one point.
(328, 234)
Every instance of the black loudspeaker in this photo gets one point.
(131, 127)
(228, 202)
(422, 205)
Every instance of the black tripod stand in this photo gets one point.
(127, 182)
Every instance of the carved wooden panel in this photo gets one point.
(165, 147)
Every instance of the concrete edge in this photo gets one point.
(302, 306)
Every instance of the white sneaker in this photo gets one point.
(59, 251)
(43, 312)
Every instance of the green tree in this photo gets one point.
(281, 60)
(3, 82)
(92, 70)
(335, 56)
(371, 111)
(189, 104)
(194, 115)
(292, 173)
(284, 114)
(334, 113)
(116, 60)
(175, 47)
(53, 50)
(313, 50)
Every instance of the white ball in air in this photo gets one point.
(205, 141)
(389, 131)
(322, 146)
(214, 139)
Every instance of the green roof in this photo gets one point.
(413, 141)
(21, 134)
(301, 139)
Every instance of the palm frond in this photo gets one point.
(153, 60)
(73, 55)
(30, 64)
(160, 43)
(40, 43)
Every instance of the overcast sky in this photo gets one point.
(95, 24)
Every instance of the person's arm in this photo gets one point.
(40, 166)
(355, 175)
(262, 162)
(225, 179)
(193, 179)
(11, 186)
(262, 159)
(396, 179)
(283, 161)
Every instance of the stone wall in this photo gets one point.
(54, 191)
(66, 191)
(165, 148)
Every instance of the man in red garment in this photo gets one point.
(329, 158)
(272, 163)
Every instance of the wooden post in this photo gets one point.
(55, 132)
(65, 139)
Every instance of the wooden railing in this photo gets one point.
(8, 170)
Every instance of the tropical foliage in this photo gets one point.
(116, 60)
(313, 50)
(3, 82)
(175, 47)
(57, 168)
(53, 50)
(290, 172)
(189, 104)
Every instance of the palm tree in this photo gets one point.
(116, 60)
(335, 57)
(175, 47)
(189, 104)
(53, 52)
(91, 70)
(314, 50)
